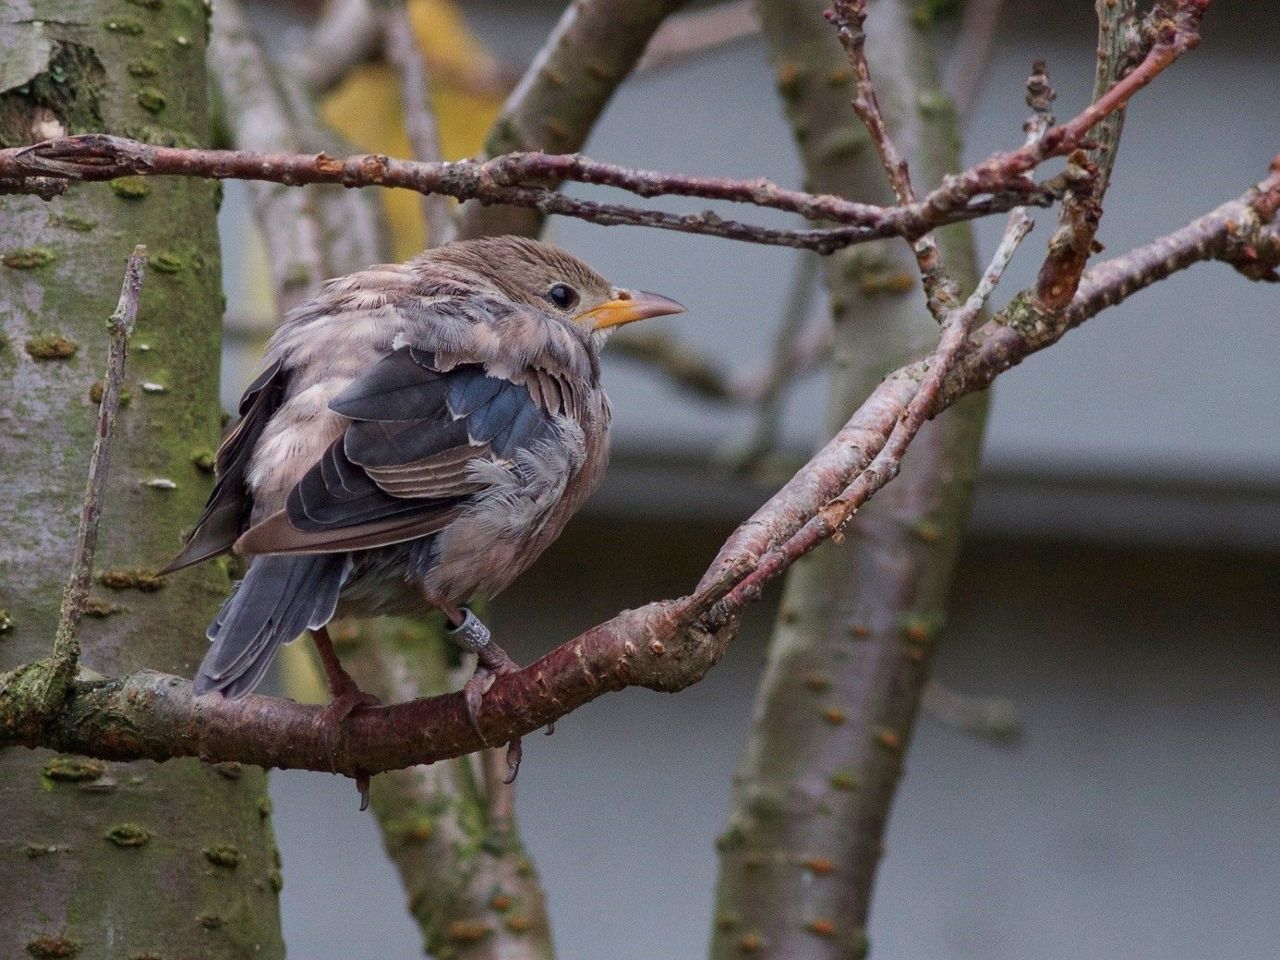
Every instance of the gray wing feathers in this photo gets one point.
(279, 598)
(226, 513)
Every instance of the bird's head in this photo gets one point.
(551, 280)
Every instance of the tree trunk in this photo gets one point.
(849, 656)
(98, 859)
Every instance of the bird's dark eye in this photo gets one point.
(562, 295)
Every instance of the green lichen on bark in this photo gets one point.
(96, 815)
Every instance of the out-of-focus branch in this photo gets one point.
(968, 67)
(419, 116)
(592, 49)
(346, 34)
(258, 120)
(688, 35)
(836, 703)
(453, 839)
(770, 391)
(990, 718)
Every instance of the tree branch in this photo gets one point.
(66, 640)
(664, 645)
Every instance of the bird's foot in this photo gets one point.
(491, 662)
(333, 719)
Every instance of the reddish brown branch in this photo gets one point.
(99, 157)
(849, 17)
(663, 646)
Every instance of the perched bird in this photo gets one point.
(418, 435)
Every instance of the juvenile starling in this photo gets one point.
(418, 435)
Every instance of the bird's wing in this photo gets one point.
(227, 510)
(404, 467)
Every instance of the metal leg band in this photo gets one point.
(471, 634)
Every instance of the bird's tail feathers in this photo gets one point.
(279, 598)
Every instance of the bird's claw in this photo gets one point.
(492, 662)
(334, 717)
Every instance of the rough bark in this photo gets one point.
(87, 846)
(849, 656)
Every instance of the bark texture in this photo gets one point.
(114, 859)
(850, 651)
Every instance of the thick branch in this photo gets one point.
(663, 646)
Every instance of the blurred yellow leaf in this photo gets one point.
(366, 108)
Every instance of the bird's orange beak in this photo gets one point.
(627, 306)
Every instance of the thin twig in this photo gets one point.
(940, 289)
(66, 641)
(92, 157)
(955, 331)
(404, 54)
(1088, 175)
(997, 184)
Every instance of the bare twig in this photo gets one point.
(1088, 175)
(419, 116)
(995, 185)
(66, 641)
(664, 645)
(778, 535)
(849, 16)
(955, 331)
(101, 157)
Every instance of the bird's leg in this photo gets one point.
(469, 632)
(347, 697)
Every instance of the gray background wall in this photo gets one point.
(1121, 586)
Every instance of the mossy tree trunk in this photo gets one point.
(849, 656)
(116, 860)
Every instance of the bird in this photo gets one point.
(416, 436)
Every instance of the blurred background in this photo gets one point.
(1121, 584)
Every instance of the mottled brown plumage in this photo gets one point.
(418, 435)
